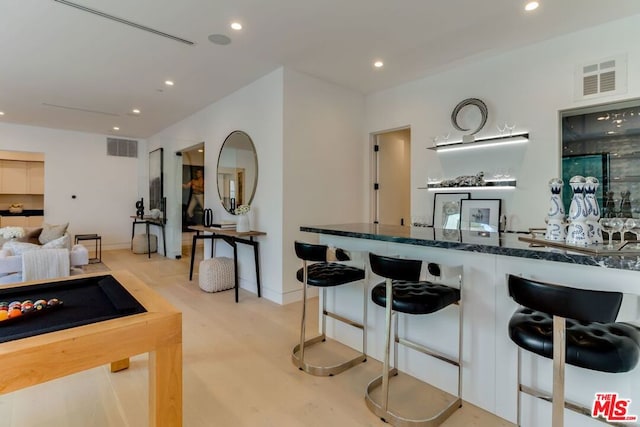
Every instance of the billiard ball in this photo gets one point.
(53, 302)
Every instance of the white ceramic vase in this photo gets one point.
(556, 230)
(578, 231)
(242, 224)
(593, 209)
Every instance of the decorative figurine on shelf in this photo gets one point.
(593, 210)
(140, 208)
(556, 231)
(609, 205)
(465, 181)
(577, 234)
(625, 204)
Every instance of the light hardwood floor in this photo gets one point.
(237, 370)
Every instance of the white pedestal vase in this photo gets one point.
(242, 224)
(578, 231)
(593, 209)
(556, 230)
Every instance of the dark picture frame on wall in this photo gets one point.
(156, 178)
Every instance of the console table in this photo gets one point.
(147, 221)
(232, 238)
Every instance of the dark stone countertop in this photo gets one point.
(26, 212)
(472, 241)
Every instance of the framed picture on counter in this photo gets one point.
(451, 235)
(480, 214)
(446, 210)
(481, 237)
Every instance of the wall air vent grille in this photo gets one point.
(122, 147)
(602, 78)
(590, 85)
(608, 81)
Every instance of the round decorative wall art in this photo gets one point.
(476, 103)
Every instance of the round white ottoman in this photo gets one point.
(216, 274)
(139, 244)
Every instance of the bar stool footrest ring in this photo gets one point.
(322, 371)
(399, 421)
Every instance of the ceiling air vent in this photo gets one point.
(122, 147)
(602, 78)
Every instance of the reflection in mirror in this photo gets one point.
(237, 171)
(604, 141)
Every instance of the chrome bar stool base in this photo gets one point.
(390, 417)
(323, 371)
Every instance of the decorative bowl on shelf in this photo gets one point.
(16, 208)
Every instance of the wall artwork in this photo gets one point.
(480, 214)
(156, 176)
(446, 210)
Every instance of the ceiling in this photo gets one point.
(65, 68)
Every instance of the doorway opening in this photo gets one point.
(391, 201)
(192, 184)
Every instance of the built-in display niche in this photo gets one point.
(604, 141)
(21, 188)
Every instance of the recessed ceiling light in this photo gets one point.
(135, 111)
(378, 64)
(1, 113)
(168, 82)
(116, 128)
(200, 150)
(532, 5)
(236, 26)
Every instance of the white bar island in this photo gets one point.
(489, 367)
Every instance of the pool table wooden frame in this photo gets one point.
(29, 361)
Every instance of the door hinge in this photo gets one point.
(376, 186)
(376, 148)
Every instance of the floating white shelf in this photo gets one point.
(505, 184)
(482, 142)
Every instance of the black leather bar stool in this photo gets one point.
(325, 274)
(574, 326)
(411, 296)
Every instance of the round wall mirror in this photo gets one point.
(237, 171)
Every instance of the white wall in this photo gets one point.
(527, 86)
(257, 110)
(76, 163)
(323, 162)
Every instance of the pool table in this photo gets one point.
(105, 318)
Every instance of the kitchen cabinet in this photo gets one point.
(14, 177)
(35, 177)
(14, 221)
(35, 221)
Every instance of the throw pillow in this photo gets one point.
(31, 235)
(59, 243)
(18, 248)
(52, 232)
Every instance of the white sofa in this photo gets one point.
(11, 263)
